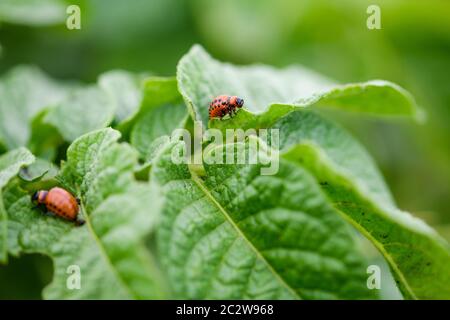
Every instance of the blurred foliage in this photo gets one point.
(412, 49)
(31, 273)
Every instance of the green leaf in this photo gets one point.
(84, 110)
(309, 127)
(155, 124)
(24, 91)
(45, 138)
(11, 162)
(237, 234)
(10, 165)
(115, 97)
(142, 171)
(40, 169)
(156, 92)
(40, 175)
(269, 93)
(119, 212)
(124, 90)
(347, 174)
(418, 257)
(161, 111)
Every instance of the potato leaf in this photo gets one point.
(418, 257)
(114, 98)
(269, 93)
(124, 89)
(84, 110)
(10, 164)
(280, 99)
(24, 92)
(108, 251)
(161, 111)
(237, 234)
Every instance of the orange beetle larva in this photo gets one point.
(223, 105)
(60, 202)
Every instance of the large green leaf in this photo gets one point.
(307, 126)
(346, 172)
(83, 110)
(115, 98)
(418, 257)
(119, 212)
(156, 91)
(155, 124)
(10, 164)
(237, 234)
(24, 91)
(125, 91)
(45, 138)
(269, 93)
(161, 111)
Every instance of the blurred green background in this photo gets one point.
(412, 49)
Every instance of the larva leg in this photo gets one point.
(79, 222)
(47, 213)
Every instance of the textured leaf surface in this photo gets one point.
(119, 214)
(114, 98)
(155, 124)
(306, 126)
(346, 172)
(419, 258)
(10, 164)
(45, 138)
(269, 93)
(162, 110)
(238, 234)
(40, 169)
(124, 89)
(226, 231)
(24, 91)
(84, 110)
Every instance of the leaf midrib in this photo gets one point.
(96, 238)
(361, 194)
(384, 252)
(104, 253)
(200, 184)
